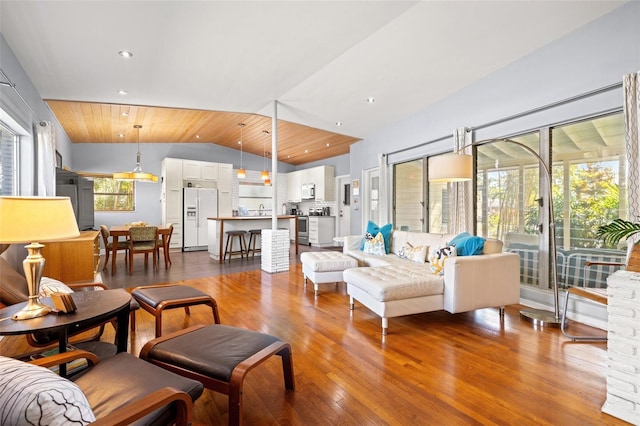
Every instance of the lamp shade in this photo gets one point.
(29, 219)
(450, 168)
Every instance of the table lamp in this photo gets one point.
(31, 219)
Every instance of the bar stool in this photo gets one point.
(231, 235)
(253, 237)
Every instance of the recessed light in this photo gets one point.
(122, 92)
(124, 114)
(125, 53)
(121, 135)
(338, 123)
(328, 144)
(197, 136)
(371, 99)
(306, 151)
(239, 142)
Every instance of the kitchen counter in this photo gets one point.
(244, 223)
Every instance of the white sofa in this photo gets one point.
(391, 286)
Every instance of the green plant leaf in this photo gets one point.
(617, 230)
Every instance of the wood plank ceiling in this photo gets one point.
(88, 122)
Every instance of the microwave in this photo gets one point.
(308, 191)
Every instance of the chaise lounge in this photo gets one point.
(392, 286)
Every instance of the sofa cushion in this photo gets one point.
(13, 286)
(35, 395)
(373, 230)
(438, 258)
(413, 253)
(467, 244)
(374, 245)
(395, 282)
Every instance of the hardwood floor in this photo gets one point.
(434, 368)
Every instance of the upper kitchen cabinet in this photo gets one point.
(322, 177)
(209, 171)
(191, 170)
(294, 187)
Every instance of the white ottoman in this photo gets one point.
(325, 266)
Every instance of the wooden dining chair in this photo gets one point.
(167, 258)
(143, 239)
(108, 246)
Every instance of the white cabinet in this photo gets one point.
(175, 172)
(321, 230)
(294, 187)
(209, 171)
(172, 198)
(225, 189)
(323, 177)
(191, 170)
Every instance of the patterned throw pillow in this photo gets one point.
(374, 245)
(373, 229)
(438, 258)
(416, 254)
(35, 395)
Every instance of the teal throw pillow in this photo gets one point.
(373, 230)
(467, 244)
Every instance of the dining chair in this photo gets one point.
(108, 246)
(167, 258)
(143, 239)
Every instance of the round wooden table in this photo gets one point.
(94, 308)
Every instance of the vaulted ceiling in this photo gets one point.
(199, 68)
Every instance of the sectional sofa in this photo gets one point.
(391, 286)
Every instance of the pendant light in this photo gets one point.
(264, 174)
(242, 173)
(136, 174)
(267, 181)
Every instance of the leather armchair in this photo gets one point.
(124, 389)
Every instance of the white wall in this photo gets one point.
(592, 57)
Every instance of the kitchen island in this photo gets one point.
(218, 225)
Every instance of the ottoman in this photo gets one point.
(325, 267)
(220, 357)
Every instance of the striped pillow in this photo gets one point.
(35, 395)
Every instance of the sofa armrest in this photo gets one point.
(351, 242)
(485, 281)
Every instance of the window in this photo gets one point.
(408, 193)
(113, 195)
(8, 161)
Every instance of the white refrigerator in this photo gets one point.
(199, 204)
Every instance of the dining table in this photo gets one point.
(117, 231)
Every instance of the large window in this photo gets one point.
(113, 195)
(8, 161)
(408, 195)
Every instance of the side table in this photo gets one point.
(94, 308)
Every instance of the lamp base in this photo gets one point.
(34, 309)
(541, 317)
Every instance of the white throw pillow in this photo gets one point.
(35, 395)
(375, 245)
(416, 254)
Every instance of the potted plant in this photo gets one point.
(620, 229)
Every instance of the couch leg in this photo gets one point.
(385, 325)
(502, 311)
(315, 289)
(351, 306)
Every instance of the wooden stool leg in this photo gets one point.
(132, 320)
(158, 315)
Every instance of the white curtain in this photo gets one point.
(461, 192)
(46, 159)
(383, 195)
(631, 88)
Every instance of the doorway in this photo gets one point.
(343, 222)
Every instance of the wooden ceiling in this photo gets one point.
(87, 122)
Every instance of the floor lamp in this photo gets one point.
(457, 167)
(29, 219)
